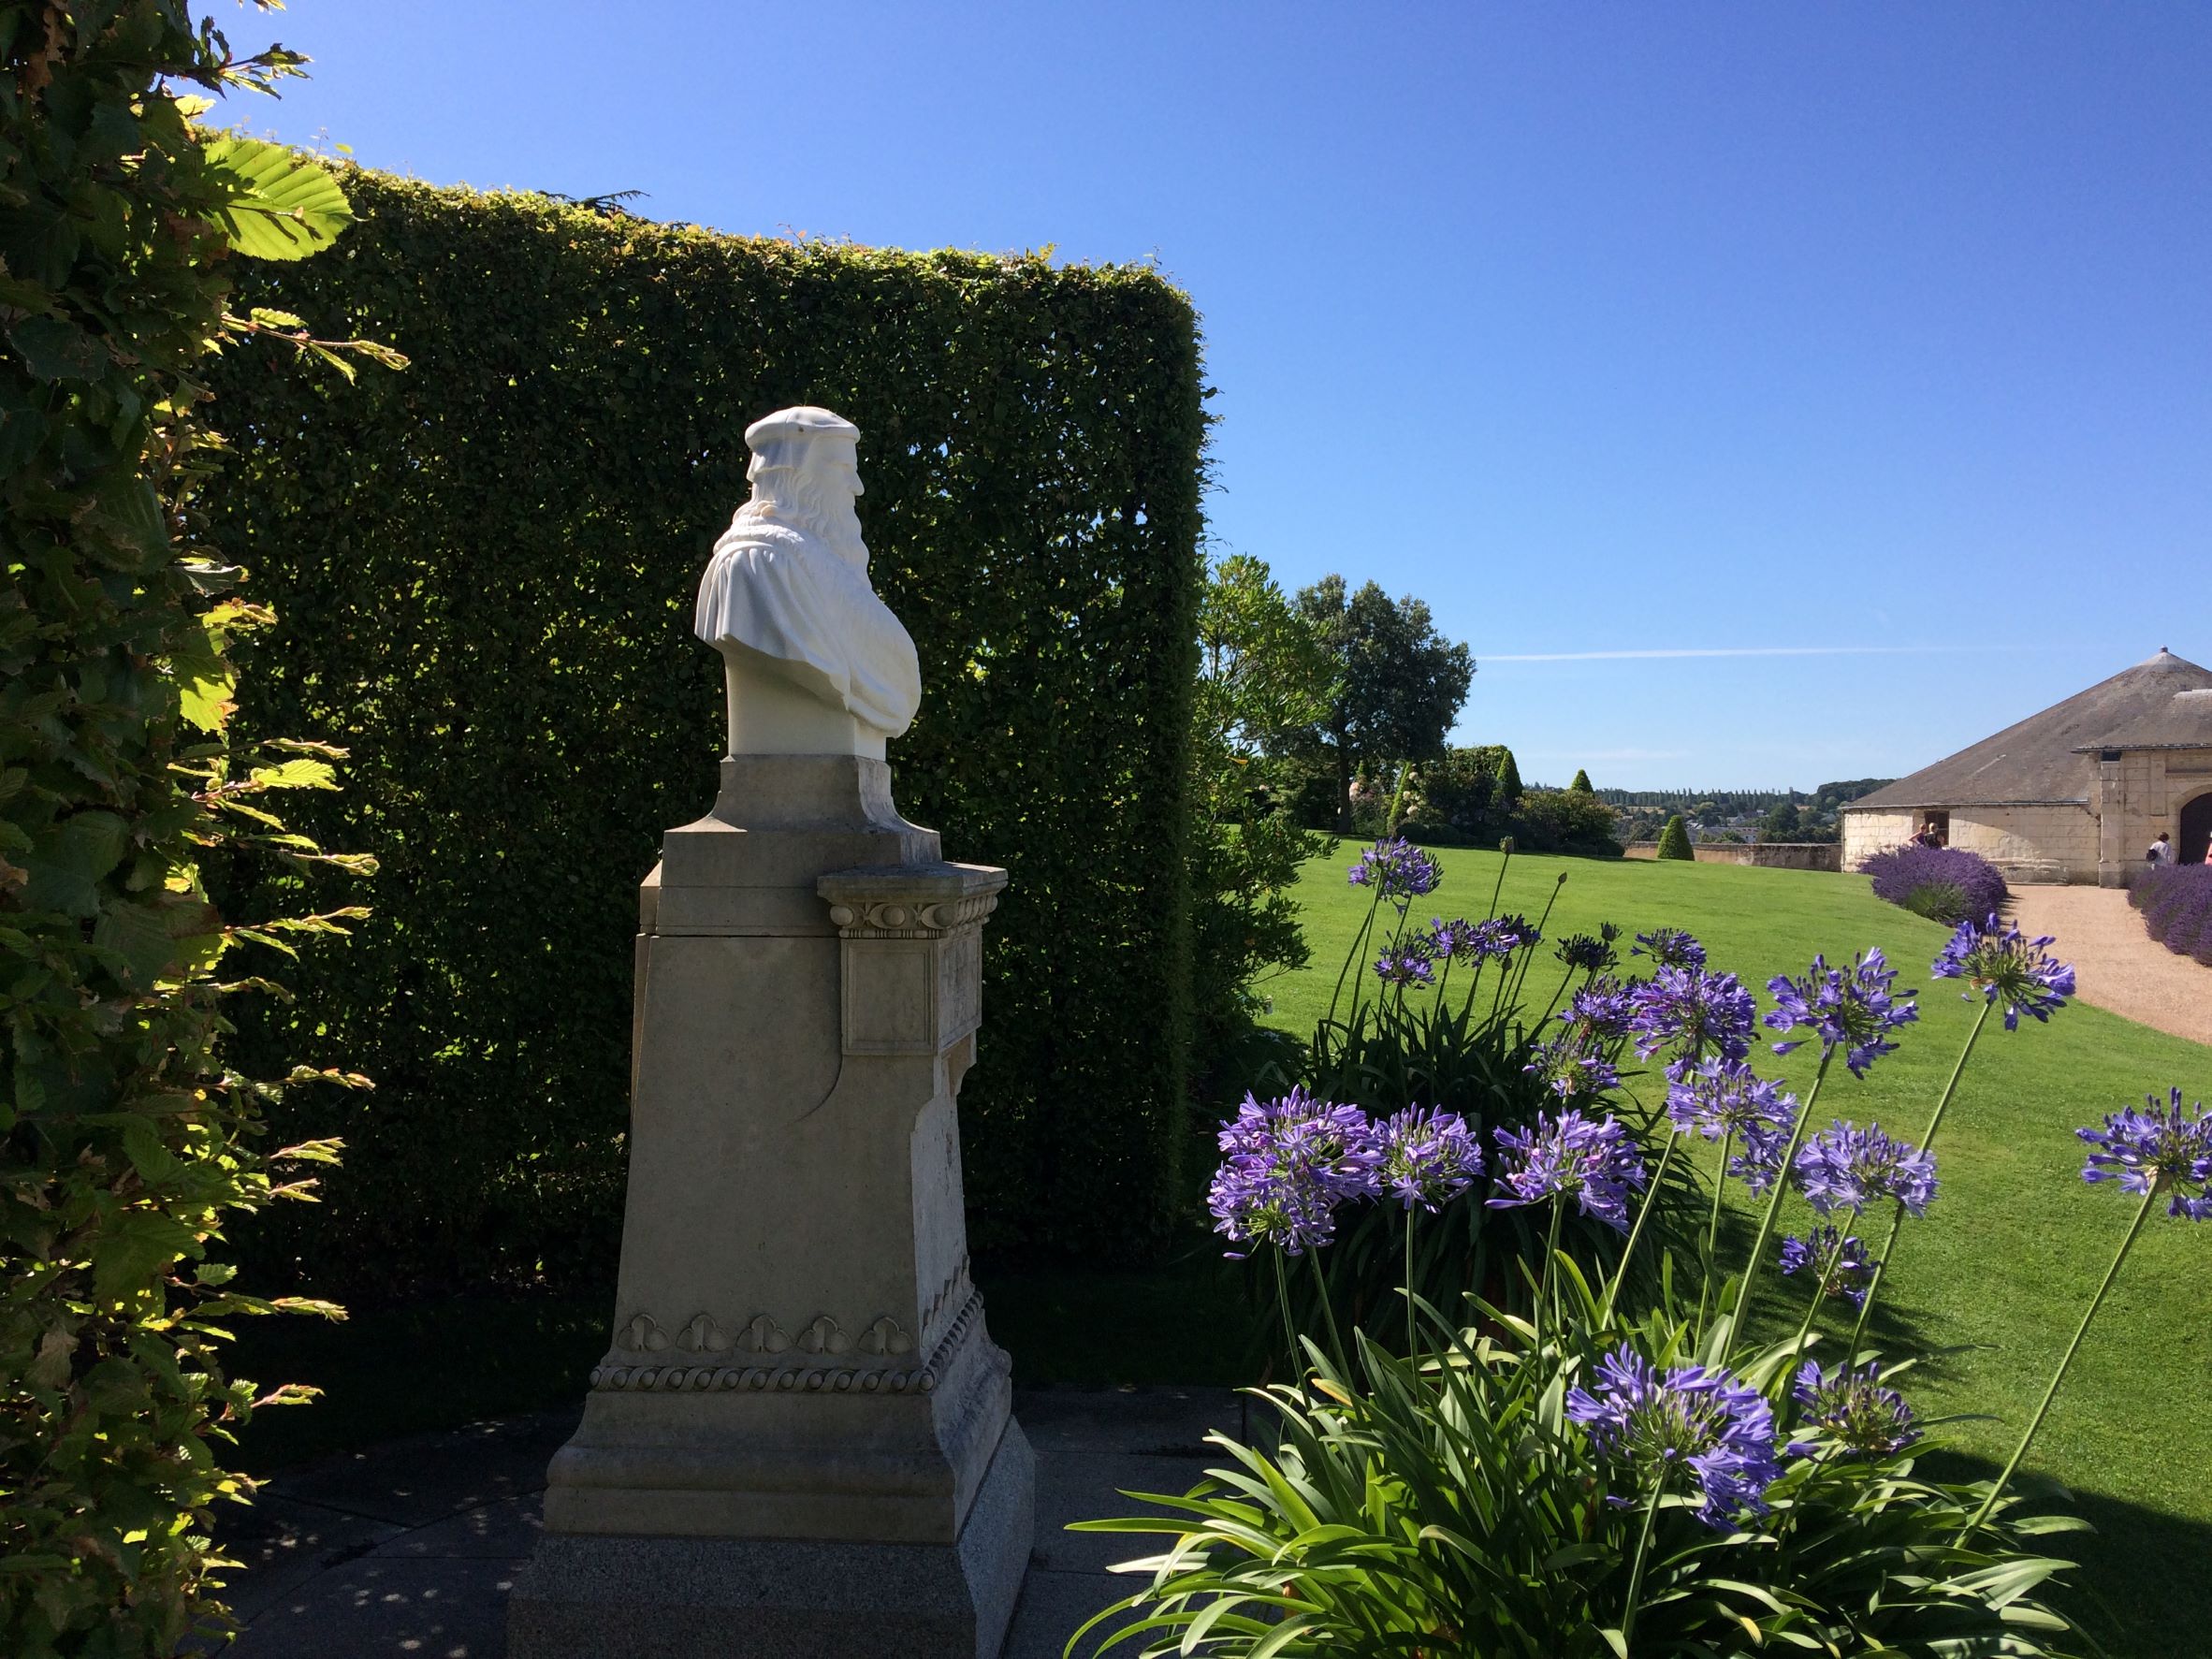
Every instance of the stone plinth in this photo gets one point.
(800, 1438)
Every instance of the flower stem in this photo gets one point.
(1897, 1219)
(1411, 1335)
(1713, 1231)
(1329, 1315)
(1358, 951)
(1289, 1322)
(1636, 1570)
(1549, 1284)
(1782, 1187)
(2019, 1451)
(1643, 1214)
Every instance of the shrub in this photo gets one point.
(1674, 840)
(1567, 820)
(1471, 790)
(1582, 782)
(492, 569)
(129, 1143)
(2177, 905)
(1943, 884)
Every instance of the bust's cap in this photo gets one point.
(803, 422)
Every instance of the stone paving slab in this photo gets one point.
(408, 1550)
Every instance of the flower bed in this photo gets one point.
(1608, 1466)
(2175, 900)
(1946, 884)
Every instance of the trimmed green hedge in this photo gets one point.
(486, 569)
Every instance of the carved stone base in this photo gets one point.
(585, 1596)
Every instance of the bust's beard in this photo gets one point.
(799, 500)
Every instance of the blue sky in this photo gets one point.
(1875, 334)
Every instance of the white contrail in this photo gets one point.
(1732, 651)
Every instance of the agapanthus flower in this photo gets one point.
(1428, 1156)
(1719, 1097)
(1457, 940)
(1697, 1012)
(1399, 869)
(1848, 1168)
(1576, 1063)
(1853, 1009)
(2160, 1149)
(1591, 1159)
(1591, 952)
(1514, 932)
(1693, 1422)
(1758, 1166)
(1287, 1165)
(1407, 963)
(1603, 1006)
(1669, 947)
(1838, 1257)
(2018, 973)
(1858, 1413)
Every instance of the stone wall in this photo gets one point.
(1866, 834)
(1770, 855)
(2141, 794)
(2030, 844)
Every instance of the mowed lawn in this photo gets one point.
(1990, 1286)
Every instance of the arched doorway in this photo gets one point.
(2196, 830)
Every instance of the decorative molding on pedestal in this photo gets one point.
(911, 939)
(815, 1378)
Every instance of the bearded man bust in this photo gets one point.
(814, 662)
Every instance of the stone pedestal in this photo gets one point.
(800, 1439)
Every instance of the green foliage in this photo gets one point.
(491, 566)
(1782, 823)
(1565, 821)
(1450, 1506)
(126, 1144)
(1470, 792)
(1399, 684)
(1674, 840)
(1263, 669)
(1581, 782)
(1939, 901)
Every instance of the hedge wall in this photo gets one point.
(486, 570)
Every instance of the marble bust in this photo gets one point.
(814, 662)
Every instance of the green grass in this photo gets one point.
(1991, 1284)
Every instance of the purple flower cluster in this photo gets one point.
(1577, 1065)
(1426, 1157)
(1690, 1421)
(1400, 871)
(1915, 877)
(2175, 900)
(1719, 1097)
(1287, 1165)
(1590, 1159)
(2008, 970)
(1603, 1006)
(1853, 1009)
(1669, 947)
(1856, 1412)
(1848, 1168)
(1695, 1011)
(1409, 962)
(2158, 1149)
(1837, 1259)
(1592, 953)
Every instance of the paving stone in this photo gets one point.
(1088, 1485)
(507, 1530)
(1149, 1422)
(1054, 1607)
(280, 1545)
(426, 1477)
(377, 1608)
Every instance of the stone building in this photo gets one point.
(2075, 793)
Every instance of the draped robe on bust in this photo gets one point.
(785, 596)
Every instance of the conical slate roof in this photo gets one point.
(2164, 702)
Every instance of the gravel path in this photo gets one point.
(2117, 966)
